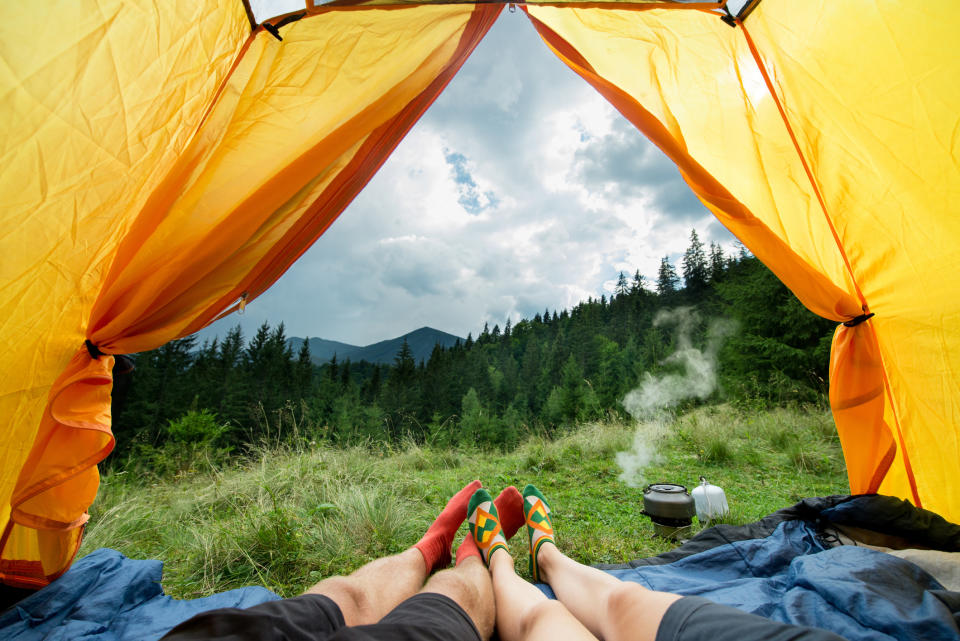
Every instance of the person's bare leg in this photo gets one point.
(611, 609)
(363, 596)
(469, 586)
(378, 587)
(524, 613)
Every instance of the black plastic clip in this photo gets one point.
(853, 322)
(728, 18)
(93, 350)
(122, 364)
(274, 29)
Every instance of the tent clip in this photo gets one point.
(122, 363)
(93, 350)
(274, 29)
(729, 17)
(853, 322)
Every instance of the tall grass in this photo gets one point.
(287, 517)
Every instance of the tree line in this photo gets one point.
(536, 375)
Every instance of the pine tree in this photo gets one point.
(621, 288)
(694, 265)
(718, 262)
(667, 279)
(304, 371)
(638, 285)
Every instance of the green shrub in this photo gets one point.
(197, 427)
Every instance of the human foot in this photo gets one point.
(539, 525)
(485, 527)
(509, 505)
(435, 544)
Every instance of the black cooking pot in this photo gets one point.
(670, 507)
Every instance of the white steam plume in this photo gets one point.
(650, 403)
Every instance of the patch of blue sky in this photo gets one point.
(472, 199)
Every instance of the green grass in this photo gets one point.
(288, 518)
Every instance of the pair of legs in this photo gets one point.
(591, 604)
(367, 595)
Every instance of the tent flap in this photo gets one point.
(286, 141)
(840, 176)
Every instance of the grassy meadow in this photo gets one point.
(288, 517)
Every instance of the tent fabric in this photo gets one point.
(842, 180)
(110, 597)
(166, 165)
(267, 160)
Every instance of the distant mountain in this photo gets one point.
(421, 343)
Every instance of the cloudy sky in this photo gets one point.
(520, 189)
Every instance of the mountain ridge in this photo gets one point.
(421, 342)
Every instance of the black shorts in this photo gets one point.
(423, 617)
(695, 619)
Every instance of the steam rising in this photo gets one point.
(650, 404)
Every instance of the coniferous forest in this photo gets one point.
(535, 375)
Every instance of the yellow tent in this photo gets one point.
(164, 163)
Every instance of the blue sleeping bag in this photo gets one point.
(789, 576)
(105, 595)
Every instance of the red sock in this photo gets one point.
(510, 509)
(435, 544)
(467, 549)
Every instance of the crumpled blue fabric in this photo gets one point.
(107, 596)
(789, 576)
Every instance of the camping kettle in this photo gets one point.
(710, 501)
(670, 508)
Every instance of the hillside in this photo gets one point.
(421, 342)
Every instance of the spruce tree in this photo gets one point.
(667, 279)
(621, 288)
(694, 265)
(304, 371)
(718, 262)
(638, 284)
